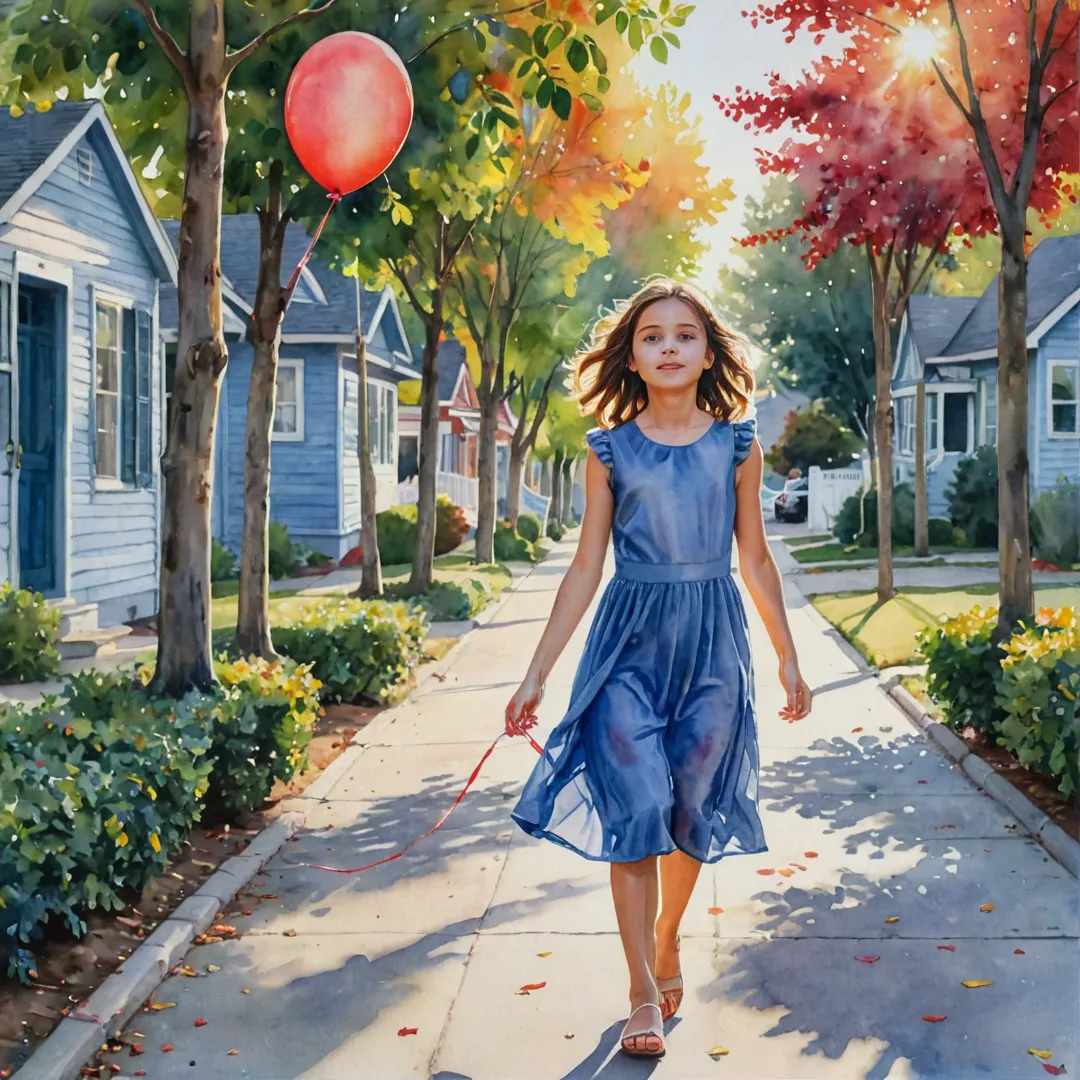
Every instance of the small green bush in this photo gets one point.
(397, 534)
(529, 527)
(28, 632)
(962, 669)
(1055, 524)
(222, 562)
(509, 546)
(447, 601)
(972, 495)
(940, 532)
(846, 522)
(358, 649)
(959, 537)
(283, 554)
(451, 527)
(555, 531)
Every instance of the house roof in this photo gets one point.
(1053, 288)
(36, 142)
(331, 314)
(934, 320)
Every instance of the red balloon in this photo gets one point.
(348, 108)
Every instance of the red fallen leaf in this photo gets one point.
(922, 781)
(767, 873)
(798, 866)
(533, 986)
(716, 911)
(809, 854)
(933, 1019)
(855, 730)
(200, 1022)
(167, 1048)
(946, 826)
(1054, 1070)
(245, 912)
(947, 948)
(136, 1049)
(268, 896)
(407, 1031)
(1019, 952)
(868, 959)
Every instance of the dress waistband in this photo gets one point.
(672, 573)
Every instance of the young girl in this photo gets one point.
(656, 760)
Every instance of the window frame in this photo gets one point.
(109, 481)
(296, 436)
(1051, 401)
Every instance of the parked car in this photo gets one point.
(792, 503)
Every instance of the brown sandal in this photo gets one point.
(656, 1030)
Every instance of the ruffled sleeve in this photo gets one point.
(744, 438)
(600, 442)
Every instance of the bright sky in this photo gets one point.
(721, 50)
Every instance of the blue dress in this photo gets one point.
(658, 749)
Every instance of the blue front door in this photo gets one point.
(38, 412)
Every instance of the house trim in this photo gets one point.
(1060, 436)
(297, 436)
(1053, 318)
(900, 345)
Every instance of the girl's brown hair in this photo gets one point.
(605, 386)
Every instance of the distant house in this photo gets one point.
(81, 262)
(314, 465)
(951, 344)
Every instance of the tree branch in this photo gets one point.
(418, 307)
(234, 59)
(167, 43)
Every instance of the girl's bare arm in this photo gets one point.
(576, 591)
(763, 582)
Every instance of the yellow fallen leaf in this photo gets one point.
(973, 983)
(987, 907)
(233, 1053)
(245, 991)
(719, 1051)
(159, 1005)
(211, 968)
(893, 918)
(1044, 1054)
(548, 953)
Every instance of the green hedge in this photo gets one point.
(529, 527)
(448, 601)
(846, 522)
(396, 528)
(511, 547)
(359, 650)
(972, 495)
(1055, 524)
(28, 632)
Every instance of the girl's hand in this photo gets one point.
(798, 693)
(523, 705)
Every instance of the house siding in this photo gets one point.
(113, 537)
(1058, 455)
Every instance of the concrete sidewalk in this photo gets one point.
(886, 852)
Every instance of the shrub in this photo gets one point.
(263, 725)
(959, 537)
(939, 532)
(812, 437)
(282, 553)
(529, 527)
(397, 534)
(962, 669)
(973, 497)
(509, 546)
(555, 531)
(28, 632)
(447, 601)
(222, 562)
(357, 649)
(450, 527)
(1039, 688)
(1055, 524)
(315, 559)
(99, 787)
(846, 522)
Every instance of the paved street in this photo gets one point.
(878, 849)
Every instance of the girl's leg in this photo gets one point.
(636, 892)
(678, 876)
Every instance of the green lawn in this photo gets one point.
(885, 635)
(845, 552)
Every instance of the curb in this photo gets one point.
(73, 1042)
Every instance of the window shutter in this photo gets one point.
(92, 432)
(128, 397)
(144, 411)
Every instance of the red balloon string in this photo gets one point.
(523, 729)
(334, 198)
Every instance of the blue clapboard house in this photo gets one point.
(314, 463)
(82, 260)
(950, 343)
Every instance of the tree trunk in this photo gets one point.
(183, 659)
(883, 420)
(423, 569)
(1014, 540)
(371, 570)
(922, 537)
(487, 474)
(253, 610)
(514, 470)
(555, 506)
(567, 516)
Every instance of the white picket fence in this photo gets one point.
(462, 491)
(828, 490)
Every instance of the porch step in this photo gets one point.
(91, 644)
(76, 618)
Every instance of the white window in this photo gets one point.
(905, 422)
(1064, 398)
(107, 389)
(289, 410)
(933, 406)
(382, 423)
(989, 436)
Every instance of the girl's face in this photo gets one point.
(670, 349)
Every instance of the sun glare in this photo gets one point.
(920, 45)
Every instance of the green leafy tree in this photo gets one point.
(812, 437)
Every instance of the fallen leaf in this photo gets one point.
(167, 1048)
(947, 948)
(233, 1053)
(946, 826)
(189, 971)
(1018, 952)
(1054, 1070)
(716, 911)
(798, 866)
(893, 918)
(212, 968)
(809, 854)
(933, 1019)
(268, 896)
(855, 730)
(159, 1005)
(222, 929)
(973, 984)
(548, 953)
(245, 912)
(922, 781)
(245, 991)
(785, 872)
(407, 1031)
(987, 907)
(289, 933)
(532, 986)
(767, 873)
(568, 1035)
(868, 959)
(718, 1051)
(200, 1022)
(133, 924)
(1044, 1054)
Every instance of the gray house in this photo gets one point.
(950, 343)
(81, 261)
